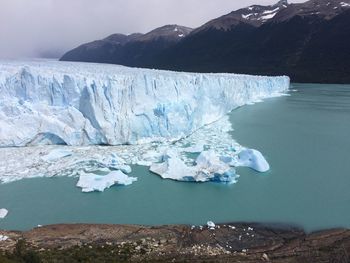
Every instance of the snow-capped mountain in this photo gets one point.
(171, 33)
(254, 15)
(325, 9)
(307, 41)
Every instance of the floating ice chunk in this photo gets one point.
(209, 161)
(3, 238)
(113, 161)
(211, 224)
(208, 167)
(3, 213)
(92, 182)
(173, 167)
(56, 154)
(253, 159)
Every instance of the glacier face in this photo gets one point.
(50, 102)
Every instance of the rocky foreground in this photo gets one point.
(222, 243)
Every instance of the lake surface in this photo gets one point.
(305, 137)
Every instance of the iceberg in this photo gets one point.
(253, 159)
(207, 167)
(90, 182)
(113, 161)
(67, 103)
(3, 213)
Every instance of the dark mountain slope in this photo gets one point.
(100, 50)
(131, 50)
(307, 46)
(326, 58)
(308, 41)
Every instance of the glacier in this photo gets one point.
(67, 103)
(94, 121)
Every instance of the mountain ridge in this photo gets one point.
(307, 41)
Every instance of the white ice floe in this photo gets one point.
(92, 182)
(207, 167)
(172, 167)
(3, 213)
(253, 159)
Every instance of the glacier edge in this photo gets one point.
(90, 104)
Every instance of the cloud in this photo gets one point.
(30, 28)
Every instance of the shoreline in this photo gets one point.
(244, 242)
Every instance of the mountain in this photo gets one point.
(130, 50)
(307, 41)
(254, 15)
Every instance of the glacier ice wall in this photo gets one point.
(50, 102)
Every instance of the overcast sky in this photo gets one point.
(29, 28)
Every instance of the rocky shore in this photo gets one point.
(126, 243)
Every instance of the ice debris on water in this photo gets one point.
(56, 154)
(91, 182)
(207, 167)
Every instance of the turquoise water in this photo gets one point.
(305, 137)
